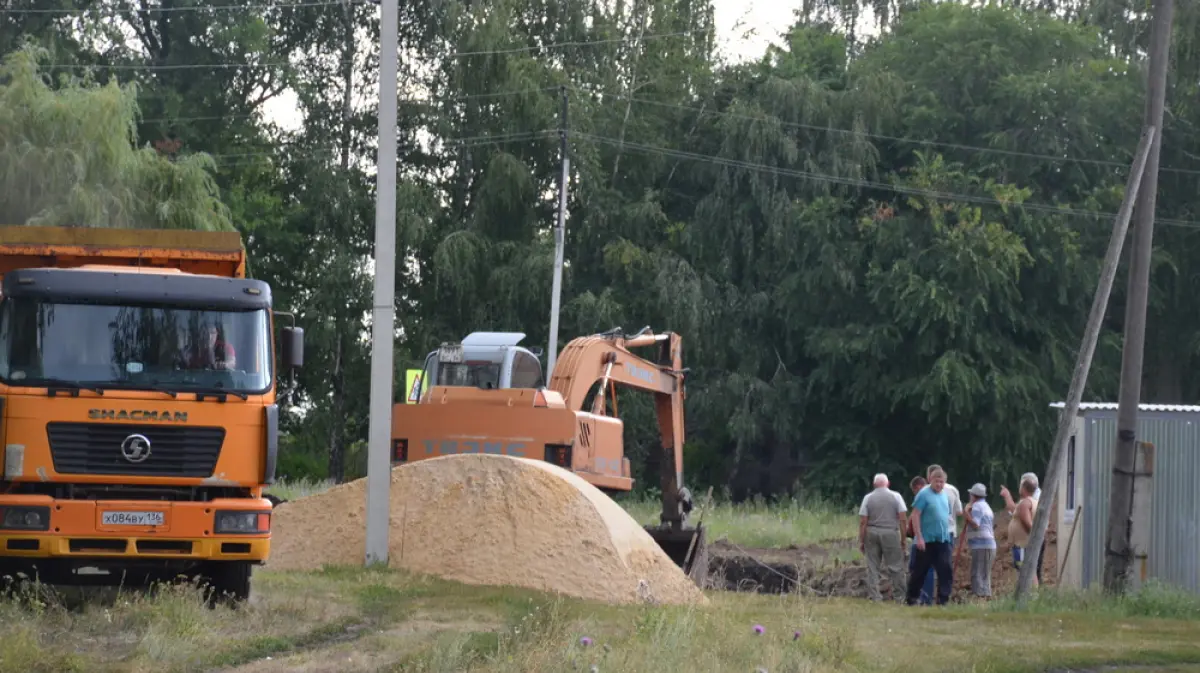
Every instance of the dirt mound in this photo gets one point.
(494, 520)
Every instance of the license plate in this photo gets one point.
(133, 518)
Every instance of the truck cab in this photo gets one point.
(486, 360)
(138, 414)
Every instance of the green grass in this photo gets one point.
(1154, 600)
(351, 619)
(762, 523)
(291, 489)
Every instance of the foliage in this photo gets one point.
(880, 247)
(68, 157)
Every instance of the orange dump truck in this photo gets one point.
(137, 407)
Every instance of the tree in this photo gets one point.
(69, 157)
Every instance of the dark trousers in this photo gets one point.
(937, 557)
(927, 584)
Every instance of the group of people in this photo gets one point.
(936, 538)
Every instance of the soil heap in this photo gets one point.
(489, 520)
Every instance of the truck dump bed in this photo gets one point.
(217, 253)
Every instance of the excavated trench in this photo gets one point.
(834, 568)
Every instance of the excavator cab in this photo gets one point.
(484, 360)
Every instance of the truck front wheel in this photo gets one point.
(227, 581)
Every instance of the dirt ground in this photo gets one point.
(818, 568)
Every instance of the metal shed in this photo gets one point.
(1174, 540)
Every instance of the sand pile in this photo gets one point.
(493, 520)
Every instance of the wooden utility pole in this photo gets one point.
(1083, 363)
(1117, 550)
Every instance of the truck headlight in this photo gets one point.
(25, 518)
(241, 522)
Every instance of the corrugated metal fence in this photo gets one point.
(1175, 537)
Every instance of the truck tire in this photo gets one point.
(227, 582)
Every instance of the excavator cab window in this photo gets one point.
(526, 371)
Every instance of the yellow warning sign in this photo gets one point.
(412, 383)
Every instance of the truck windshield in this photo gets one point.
(148, 347)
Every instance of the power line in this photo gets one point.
(870, 184)
(812, 127)
(171, 10)
(520, 136)
(880, 136)
(284, 64)
(465, 141)
(413, 99)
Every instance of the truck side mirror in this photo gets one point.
(291, 347)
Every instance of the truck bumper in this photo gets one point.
(122, 530)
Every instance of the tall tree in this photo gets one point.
(69, 157)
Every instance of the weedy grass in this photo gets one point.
(354, 619)
(292, 489)
(1154, 599)
(761, 522)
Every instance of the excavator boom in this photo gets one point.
(482, 396)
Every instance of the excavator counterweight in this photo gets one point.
(487, 394)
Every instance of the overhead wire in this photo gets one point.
(880, 136)
(727, 162)
(244, 158)
(635, 99)
(409, 99)
(869, 184)
(452, 55)
(725, 114)
(108, 9)
(731, 115)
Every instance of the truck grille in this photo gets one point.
(95, 448)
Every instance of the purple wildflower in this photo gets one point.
(585, 641)
(758, 628)
(796, 635)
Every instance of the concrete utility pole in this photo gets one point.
(1117, 551)
(383, 309)
(559, 238)
(1083, 363)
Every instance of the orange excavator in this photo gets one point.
(487, 394)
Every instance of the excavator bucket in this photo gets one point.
(687, 547)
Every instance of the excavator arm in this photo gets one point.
(606, 359)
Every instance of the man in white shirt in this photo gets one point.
(880, 537)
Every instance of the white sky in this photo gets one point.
(744, 29)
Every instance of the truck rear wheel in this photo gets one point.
(227, 581)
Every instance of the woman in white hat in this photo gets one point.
(981, 540)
